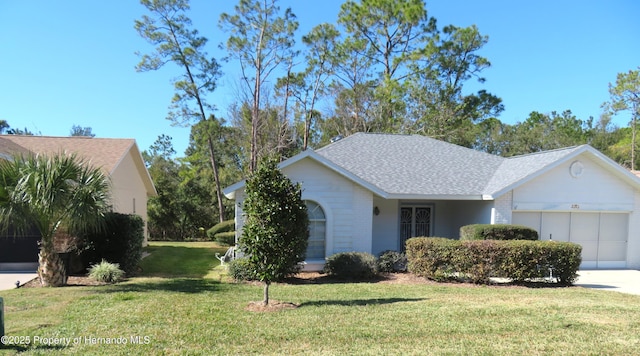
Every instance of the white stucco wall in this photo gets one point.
(595, 190)
(501, 212)
(385, 226)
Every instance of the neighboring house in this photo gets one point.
(120, 159)
(371, 192)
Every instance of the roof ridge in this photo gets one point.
(547, 151)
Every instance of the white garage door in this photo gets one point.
(603, 236)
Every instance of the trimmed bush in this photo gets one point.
(528, 260)
(225, 226)
(240, 270)
(119, 242)
(226, 238)
(433, 258)
(477, 261)
(106, 272)
(352, 265)
(392, 261)
(497, 232)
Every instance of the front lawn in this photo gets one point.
(175, 310)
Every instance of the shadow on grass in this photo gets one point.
(179, 285)
(360, 302)
(35, 347)
(327, 279)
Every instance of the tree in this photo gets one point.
(17, 131)
(437, 105)
(387, 32)
(175, 42)
(275, 233)
(260, 40)
(4, 125)
(542, 132)
(308, 86)
(77, 130)
(625, 96)
(59, 195)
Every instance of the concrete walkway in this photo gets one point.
(625, 281)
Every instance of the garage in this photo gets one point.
(603, 235)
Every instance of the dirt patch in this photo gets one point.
(273, 306)
(73, 281)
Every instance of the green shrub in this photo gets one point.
(225, 226)
(226, 238)
(528, 260)
(352, 265)
(392, 261)
(477, 261)
(433, 257)
(120, 242)
(497, 232)
(106, 272)
(240, 269)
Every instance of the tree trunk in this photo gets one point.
(266, 293)
(51, 270)
(216, 177)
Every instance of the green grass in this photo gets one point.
(181, 259)
(182, 312)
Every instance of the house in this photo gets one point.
(121, 161)
(371, 192)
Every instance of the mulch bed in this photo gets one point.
(73, 281)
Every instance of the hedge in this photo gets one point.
(225, 226)
(352, 265)
(497, 232)
(477, 261)
(119, 242)
(226, 238)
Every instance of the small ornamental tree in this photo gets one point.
(276, 230)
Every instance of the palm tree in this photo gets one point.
(55, 195)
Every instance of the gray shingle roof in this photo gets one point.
(413, 164)
(517, 168)
(419, 167)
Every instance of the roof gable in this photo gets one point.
(229, 192)
(105, 153)
(518, 170)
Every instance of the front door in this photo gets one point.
(415, 221)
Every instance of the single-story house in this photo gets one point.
(121, 161)
(371, 192)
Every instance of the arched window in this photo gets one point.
(317, 231)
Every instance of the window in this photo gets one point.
(317, 231)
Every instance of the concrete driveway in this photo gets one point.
(624, 281)
(617, 280)
(8, 279)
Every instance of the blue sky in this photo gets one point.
(72, 61)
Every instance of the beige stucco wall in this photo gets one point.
(128, 194)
